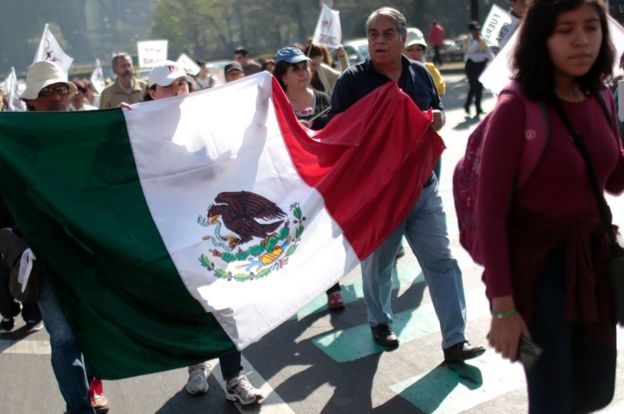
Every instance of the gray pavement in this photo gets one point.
(322, 362)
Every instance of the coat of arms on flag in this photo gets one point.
(261, 237)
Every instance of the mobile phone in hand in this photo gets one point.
(528, 352)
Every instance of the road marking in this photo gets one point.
(272, 403)
(455, 388)
(409, 273)
(356, 342)
(24, 346)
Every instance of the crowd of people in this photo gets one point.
(542, 267)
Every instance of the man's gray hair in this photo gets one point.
(389, 12)
(119, 56)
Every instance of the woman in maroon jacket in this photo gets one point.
(543, 245)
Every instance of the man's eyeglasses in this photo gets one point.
(50, 90)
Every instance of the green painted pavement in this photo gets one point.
(408, 273)
(453, 388)
(356, 342)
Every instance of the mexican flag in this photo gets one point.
(188, 227)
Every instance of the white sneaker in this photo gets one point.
(240, 389)
(197, 383)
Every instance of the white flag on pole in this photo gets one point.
(498, 73)
(328, 32)
(14, 103)
(97, 77)
(151, 52)
(49, 49)
(188, 64)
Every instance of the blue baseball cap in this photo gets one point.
(290, 55)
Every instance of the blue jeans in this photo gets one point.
(425, 230)
(570, 376)
(67, 361)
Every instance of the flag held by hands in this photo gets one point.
(192, 226)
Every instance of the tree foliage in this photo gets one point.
(212, 29)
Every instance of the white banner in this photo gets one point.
(49, 49)
(499, 72)
(151, 52)
(498, 27)
(14, 103)
(188, 64)
(328, 32)
(97, 77)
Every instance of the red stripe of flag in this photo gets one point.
(369, 163)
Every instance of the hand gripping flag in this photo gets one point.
(188, 227)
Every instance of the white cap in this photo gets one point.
(415, 37)
(44, 73)
(165, 73)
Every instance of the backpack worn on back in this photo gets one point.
(466, 174)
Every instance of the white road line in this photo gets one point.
(24, 346)
(272, 402)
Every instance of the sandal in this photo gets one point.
(334, 300)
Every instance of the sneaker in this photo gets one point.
(240, 389)
(98, 400)
(99, 403)
(197, 383)
(34, 326)
(7, 325)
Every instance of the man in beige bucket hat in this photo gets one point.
(47, 89)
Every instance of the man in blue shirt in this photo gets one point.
(425, 227)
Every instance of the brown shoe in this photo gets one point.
(99, 403)
(462, 351)
(334, 301)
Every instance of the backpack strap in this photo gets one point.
(536, 133)
(602, 98)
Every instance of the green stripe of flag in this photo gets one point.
(70, 180)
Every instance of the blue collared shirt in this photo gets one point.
(361, 79)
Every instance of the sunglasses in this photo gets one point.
(51, 90)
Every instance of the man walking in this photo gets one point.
(47, 89)
(126, 87)
(425, 226)
(436, 40)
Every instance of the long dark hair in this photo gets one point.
(533, 67)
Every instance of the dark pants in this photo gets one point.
(473, 71)
(230, 365)
(570, 376)
(9, 307)
(334, 288)
(437, 58)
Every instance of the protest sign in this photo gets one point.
(188, 64)
(498, 27)
(328, 32)
(151, 52)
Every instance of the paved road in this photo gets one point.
(321, 362)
